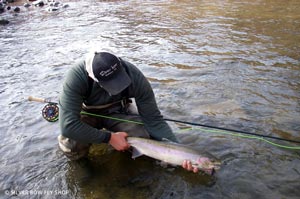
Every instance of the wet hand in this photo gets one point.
(188, 166)
(118, 141)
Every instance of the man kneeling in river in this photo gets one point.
(103, 84)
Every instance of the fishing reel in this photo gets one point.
(50, 112)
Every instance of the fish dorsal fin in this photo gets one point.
(136, 153)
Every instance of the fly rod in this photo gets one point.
(50, 112)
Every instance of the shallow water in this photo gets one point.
(232, 64)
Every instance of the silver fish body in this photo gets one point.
(173, 153)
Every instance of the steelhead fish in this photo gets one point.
(173, 153)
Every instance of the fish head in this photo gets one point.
(209, 166)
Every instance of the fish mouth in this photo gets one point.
(207, 165)
(211, 167)
(210, 172)
(216, 165)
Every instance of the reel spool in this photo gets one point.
(50, 112)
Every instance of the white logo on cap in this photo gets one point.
(109, 71)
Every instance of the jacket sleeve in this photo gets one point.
(154, 123)
(71, 98)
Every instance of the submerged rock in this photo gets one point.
(26, 5)
(53, 5)
(4, 22)
(39, 3)
(52, 9)
(17, 9)
(2, 7)
(65, 6)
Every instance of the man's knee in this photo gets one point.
(72, 149)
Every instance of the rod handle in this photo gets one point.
(37, 99)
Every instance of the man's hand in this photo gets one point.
(118, 141)
(188, 166)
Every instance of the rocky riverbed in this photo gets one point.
(12, 7)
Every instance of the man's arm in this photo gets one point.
(71, 98)
(148, 109)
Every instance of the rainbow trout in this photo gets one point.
(173, 153)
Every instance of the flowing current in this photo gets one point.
(233, 64)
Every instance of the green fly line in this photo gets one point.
(225, 132)
(243, 136)
(112, 118)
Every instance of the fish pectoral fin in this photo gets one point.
(136, 153)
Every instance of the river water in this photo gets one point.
(233, 64)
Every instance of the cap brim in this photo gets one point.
(117, 84)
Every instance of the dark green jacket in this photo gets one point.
(76, 87)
